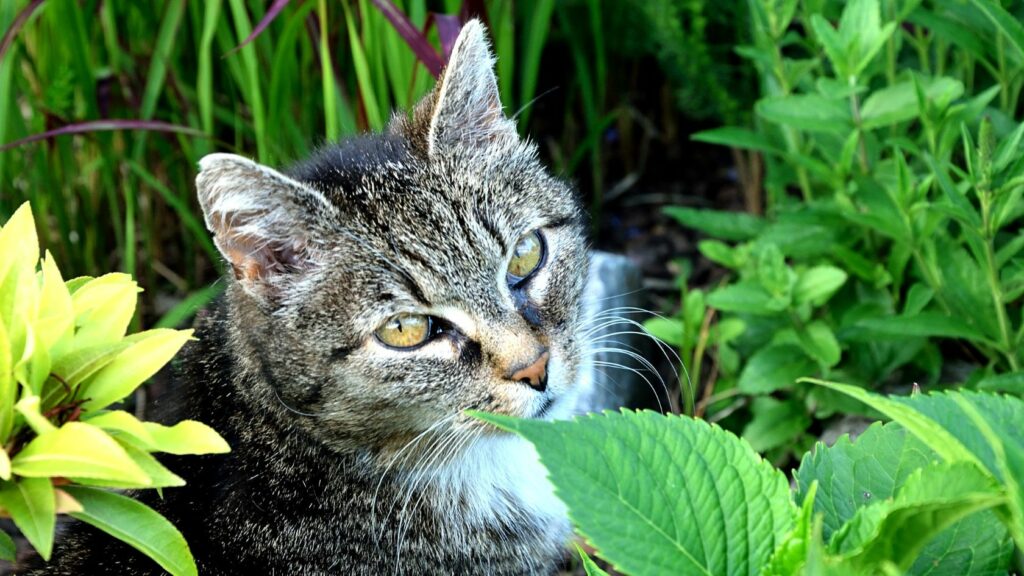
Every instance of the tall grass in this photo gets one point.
(114, 198)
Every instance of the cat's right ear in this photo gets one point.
(264, 223)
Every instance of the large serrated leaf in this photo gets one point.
(31, 502)
(853, 475)
(662, 494)
(137, 525)
(933, 499)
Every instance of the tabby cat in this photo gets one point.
(376, 291)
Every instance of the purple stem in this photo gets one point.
(272, 13)
(19, 21)
(104, 126)
(416, 40)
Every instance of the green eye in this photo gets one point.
(404, 331)
(527, 256)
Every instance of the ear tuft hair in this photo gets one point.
(265, 224)
(467, 108)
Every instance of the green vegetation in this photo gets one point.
(937, 491)
(141, 92)
(890, 247)
(64, 359)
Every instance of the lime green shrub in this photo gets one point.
(937, 491)
(65, 359)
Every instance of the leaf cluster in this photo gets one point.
(936, 491)
(65, 360)
(891, 237)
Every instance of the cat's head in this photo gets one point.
(392, 281)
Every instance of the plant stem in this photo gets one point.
(992, 276)
(855, 111)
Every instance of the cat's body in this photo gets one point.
(351, 454)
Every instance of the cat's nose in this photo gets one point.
(535, 374)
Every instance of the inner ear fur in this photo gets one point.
(465, 107)
(265, 224)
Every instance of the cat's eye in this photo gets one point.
(405, 330)
(527, 257)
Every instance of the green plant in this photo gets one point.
(65, 359)
(106, 108)
(891, 243)
(937, 491)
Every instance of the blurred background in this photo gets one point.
(815, 188)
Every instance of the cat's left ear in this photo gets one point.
(466, 107)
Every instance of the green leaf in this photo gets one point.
(669, 330)
(745, 297)
(924, 324)
(721, 253)
(149, 352)
(1012, 383)
(775, 423)
(853, 474)
(735, 137)
(1005, 22)
(157, 475)
(77, 365)
(817, 341)
(103, 308)
(662, 494)
(933, 498)
(122, 426)
(80, 450)
(734, 226)
(56, 314)
(19, 244)
(988, 427)
(8, 551)
(186, 437)
(816, 285)
(928, 430)
(31, 502)
(773, 368)
(137, 525)
(898, 103)
(810, 112)
(589, 566)
(791, 556)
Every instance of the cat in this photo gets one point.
(375, 292)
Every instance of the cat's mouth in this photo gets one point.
(544, 408)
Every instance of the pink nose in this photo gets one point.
(535, 375)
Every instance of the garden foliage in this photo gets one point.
(890, 250)
(65, 361)
(936, 491)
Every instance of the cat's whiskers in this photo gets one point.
(456, 438)
(393, 459)
(608, 318)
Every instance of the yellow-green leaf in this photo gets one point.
(56, 314)
(8, 388)
(133, 366)
(19, 244)
(31, 504)
(34, 367)
(28, 407)
(77, 449)
(187, 437)
(137, 525)
(123, 426)
(159, 476)
(5, 465)
(108, 321)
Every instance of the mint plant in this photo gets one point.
(890, 240)
(935, 491)
(65, 361)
